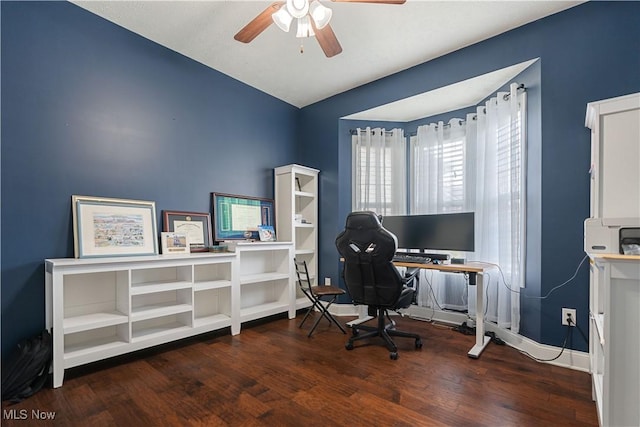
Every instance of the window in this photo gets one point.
(440, 169)
(379, 179)
(473, 164)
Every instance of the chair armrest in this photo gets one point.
(405, 298)
(410, 274)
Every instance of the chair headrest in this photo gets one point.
(363, 220)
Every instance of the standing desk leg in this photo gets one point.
(481, 340)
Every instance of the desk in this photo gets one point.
(476, 276)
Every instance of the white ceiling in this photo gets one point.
(377, 39)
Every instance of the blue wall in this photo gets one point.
(92, 109)
(587, 53)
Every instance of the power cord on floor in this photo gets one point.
(564, 345)
(569, 334)
(465, 329)
(470, 330)
(494, 338)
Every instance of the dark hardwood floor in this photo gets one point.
(273, 375)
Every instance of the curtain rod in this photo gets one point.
(373, 132)
(446, 125)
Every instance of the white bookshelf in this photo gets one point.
(267, 285)
(296, 198)
(104, 307)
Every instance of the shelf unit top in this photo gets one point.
(608, 106)
(65, 262)
(297, 169)
(616, 257)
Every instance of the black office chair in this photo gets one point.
(316, 295)
(372, 279)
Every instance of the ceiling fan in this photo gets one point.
(312, 19)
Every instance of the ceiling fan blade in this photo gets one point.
(372, 1)
(327, 40)
(258, 24)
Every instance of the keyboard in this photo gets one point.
(417, 259)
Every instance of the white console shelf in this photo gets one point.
(104, 307)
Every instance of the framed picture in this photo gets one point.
(196, 225)
(237, 217)
(174, 243)
(104, 227)
(266, 233)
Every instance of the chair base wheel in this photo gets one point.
(384, 331)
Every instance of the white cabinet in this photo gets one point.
(267, 285)
(615, 155)
(614, 300)
(296, 198)
(614, 342)
(103, 307)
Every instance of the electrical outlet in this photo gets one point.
(327, 281)
(569, 313)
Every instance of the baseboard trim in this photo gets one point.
(572, 359)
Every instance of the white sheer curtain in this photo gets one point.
(500, 211)
(379, 171)
(442, 162)
(491, 162)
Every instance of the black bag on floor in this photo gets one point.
(27, 368)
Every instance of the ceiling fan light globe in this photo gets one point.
(282, 19)
(304, 27)
(321, 14)
(298, 8)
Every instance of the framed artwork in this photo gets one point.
(174, 243)
(237, 217)
(104, 227)
(196, 225)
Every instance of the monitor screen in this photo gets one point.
(238, 217)
(449, 232)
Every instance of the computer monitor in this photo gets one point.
(449, 232)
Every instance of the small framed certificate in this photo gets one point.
(196, 225)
